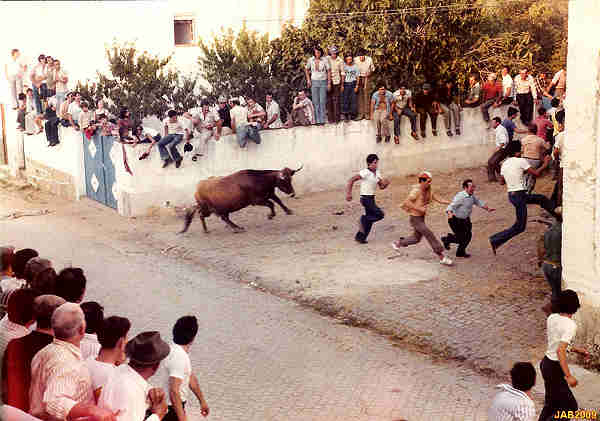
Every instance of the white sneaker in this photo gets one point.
(446, 261)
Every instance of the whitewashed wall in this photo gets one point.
(581, 227)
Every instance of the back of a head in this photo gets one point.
(532, 128)
(185, 330)
(45, 281)
(70, 284)
(34, 266)
(372, 158)
(20, 260)
(43, 308)
(555, 102)
(20, 306)
(560, 117)
(112, 329)
(94, 316)
(568, 302)
(522, 376)
(7, 257)
(513, 147)
(67, 321)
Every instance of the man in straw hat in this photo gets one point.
(415, 205)
(127, 390)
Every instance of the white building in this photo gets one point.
(78, 32)
(581, 226)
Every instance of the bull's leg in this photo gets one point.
(236, 228)
(202, 218)
(277, 200)
(270, 205)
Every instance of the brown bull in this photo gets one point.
(224, 195)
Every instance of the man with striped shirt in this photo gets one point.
(513, 402)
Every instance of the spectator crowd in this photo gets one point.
(63, 358)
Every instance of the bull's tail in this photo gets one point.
(189, 216)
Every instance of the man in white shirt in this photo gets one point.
(240, 126)
(179, 371)
(127, 391)
(15, 70)
(513, 173)
(507, 87)
(526, 95)
(273, 114)
(175, 129)
(336, 65)
(112, 337)
(74, 110)
(370, 179)
(366, 69)
(204, 123)
(514, 402)
(501, 134)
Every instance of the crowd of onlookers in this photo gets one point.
(341, 88)
(62, 358)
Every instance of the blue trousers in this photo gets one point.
(349, 99)
(172, 140)
(318, 92)
(37, 100)
(373, 213)
(520, 199)
(243, 133)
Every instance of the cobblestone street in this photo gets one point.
(257, 356)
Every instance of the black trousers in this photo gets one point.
(462, 229)
(558, 393)
(171, 415)
(525, 102)
(373, 213)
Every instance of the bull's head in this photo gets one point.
(284, 180)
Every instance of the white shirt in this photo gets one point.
(240, 114)
(149, 131)
(178, 365)
(272, 109)
(558, 329)
(127, 392)
(318, 70)
(369, 181)
(100, 372)
(511, 405)
(507, 82)
(74, 109)
(364, 67)
(176, 127)
(15, 68)
(513, 171)
(89, 345)
(501, 136)
(402, 101)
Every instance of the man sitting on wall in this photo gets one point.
(224, 122)
(303, 111)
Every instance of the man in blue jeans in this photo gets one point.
(370, 178)
(175, 128)
(513, 172)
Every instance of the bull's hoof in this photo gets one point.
(271, 216)
(289, 212)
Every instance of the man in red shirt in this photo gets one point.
(491, 95)
(543, 124)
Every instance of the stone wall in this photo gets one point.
(581, 227)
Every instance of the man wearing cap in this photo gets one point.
(365, 68)
(402, 104)
(126, 392)
(16, 367)
(61, 387)
(337, 76)
(426, 103)
(416, 205)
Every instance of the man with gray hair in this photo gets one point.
(16, 368)
(61, 386)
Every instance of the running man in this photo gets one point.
(370, 178)
(415, 205)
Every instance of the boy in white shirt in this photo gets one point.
(370, 179)
(175, 129)
(558, 380)
(513, 402)
(179, 371)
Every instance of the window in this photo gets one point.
(184, 31)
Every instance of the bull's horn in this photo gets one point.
(295, 171)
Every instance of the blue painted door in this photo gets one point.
(99, 169)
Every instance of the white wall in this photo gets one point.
(581, 227)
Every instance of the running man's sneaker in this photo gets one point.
(446, 261)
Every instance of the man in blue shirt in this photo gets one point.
(459, 218)
(381, 112)
(510, 125)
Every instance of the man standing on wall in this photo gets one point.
(15, 70)
(365, 68)
(526, 92)
(459, 218)
(337, 77)
(370, 179)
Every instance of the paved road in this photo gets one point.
(258, 357)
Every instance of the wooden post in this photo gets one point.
(3, 151)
